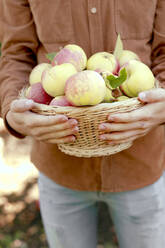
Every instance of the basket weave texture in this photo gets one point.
(87, 142)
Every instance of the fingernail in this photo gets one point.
(72, 138)
(111, 118)
(142, 96)
(102, 137)
(102, 127)
(111, 143)
(28, 103)
(73, 122)
(76, 129)
(63, 118)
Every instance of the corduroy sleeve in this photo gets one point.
(19, 47)
(158, 44)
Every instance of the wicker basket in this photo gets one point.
(88, 143)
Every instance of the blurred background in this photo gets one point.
(20, 220)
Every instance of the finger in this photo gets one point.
(112, 127)
(141, 114)
(21, 105)
(33, 120)
(131, 139)
(154, 95)
(56, 135)
(63, 125)
(42, 130)
(68, 139)
(122, 135)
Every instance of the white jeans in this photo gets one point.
(70, 216)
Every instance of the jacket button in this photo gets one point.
(93, 10)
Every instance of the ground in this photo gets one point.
(20, 220)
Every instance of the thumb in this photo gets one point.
(154, 95)
(22, 105)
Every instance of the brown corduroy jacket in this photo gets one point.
(32, 28)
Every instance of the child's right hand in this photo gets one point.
(52, 129)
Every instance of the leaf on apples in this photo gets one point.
(115, 81)
(118, 47)
(50, 56)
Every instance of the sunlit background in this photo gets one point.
(20, 220)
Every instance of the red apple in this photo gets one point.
(60, 101)
(85, 88)
(72, 54)
(37, 93)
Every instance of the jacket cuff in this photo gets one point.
(7, 126)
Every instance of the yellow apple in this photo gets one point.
(36, 73)
(108, 96)
(54, 79)
(122, 98)
(139, 78)
(103, 61)
(85, 88)
(127, 56)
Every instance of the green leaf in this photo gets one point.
(51, 56)
(118, 47)
(117, 81)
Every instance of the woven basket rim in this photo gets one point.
(44, 107)
(88, 143)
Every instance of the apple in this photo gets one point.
(38, 94)
(60, 101)
(85, 88)
(73, 54)
(108, 96)
(103, 61)
(126, 56)
(54, 79)
(139, 78)
(111, 94)
(122, 98)
(36, 73)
